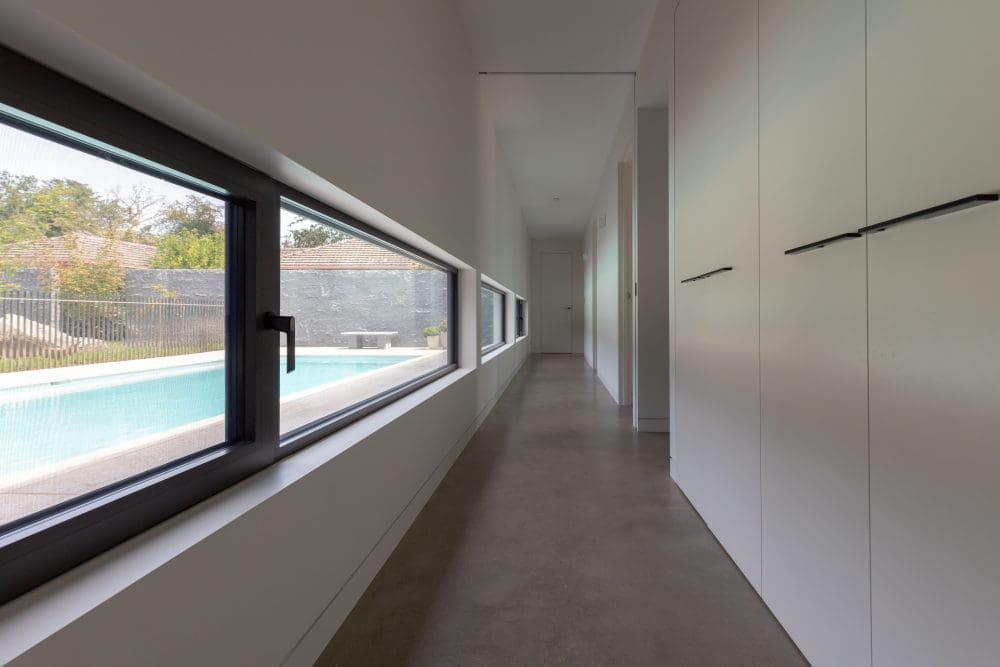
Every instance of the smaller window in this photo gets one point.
(492, 320)
(522, 315)
(371, 319)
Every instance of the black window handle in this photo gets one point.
(707, 275)
(933, 212)
(816, 245)
(286, 325)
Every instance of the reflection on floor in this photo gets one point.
(558, 539)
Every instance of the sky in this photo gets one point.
(23, 153)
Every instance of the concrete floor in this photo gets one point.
(557, 538)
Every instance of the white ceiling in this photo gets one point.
(558, 35)
(557, 131)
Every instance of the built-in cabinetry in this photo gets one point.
(814, 401)
(838, 408)
(717, 370)
(934, 329)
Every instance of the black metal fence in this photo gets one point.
(40, 329)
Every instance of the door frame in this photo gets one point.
(626, 310)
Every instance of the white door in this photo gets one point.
(557, 303)
(813, 335)
(933, 112)
(716, 374)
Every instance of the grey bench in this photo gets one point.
(384, 338)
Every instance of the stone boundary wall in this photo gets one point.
(325, 303)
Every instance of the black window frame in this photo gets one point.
(36, 548)
(503, 318)
(317, 211)
(520, 317)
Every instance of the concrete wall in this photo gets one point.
(369, 105)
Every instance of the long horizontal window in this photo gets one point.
(112, 322)
(170, 324)
(369, 318)
(492, 318)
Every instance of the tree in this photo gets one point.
(83, 282)
(196, 214)
(51, 208)
(311, 236)
(186, 249)
(103, 278)
(16, 195)
(130, 216)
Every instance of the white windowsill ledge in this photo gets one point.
(493, 354)
(42, 612)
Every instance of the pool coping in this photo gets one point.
(20, 379)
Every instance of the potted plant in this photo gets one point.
(433, 336)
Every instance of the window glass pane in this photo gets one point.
(367, 319)
(491, 320)
(522, 314)
(112, 318)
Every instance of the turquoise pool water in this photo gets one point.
(44, 425)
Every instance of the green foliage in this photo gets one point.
(187, 249)
(313, 235)
(432, 331)
(165, 292)
(197, 215)
(102, 278)
(31, 209)
(188, 234)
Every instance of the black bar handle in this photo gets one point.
(707, 275)
(286, 325)
(933, 212)
(816, 245)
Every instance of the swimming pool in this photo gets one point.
(45, 424)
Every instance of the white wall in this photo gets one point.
(656, 65)
(588, 296)
(654, 79)
(652, 369)
(605, 261)
(574, 246)
(375, 98)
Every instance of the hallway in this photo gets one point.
(558, 538)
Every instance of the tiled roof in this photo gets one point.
(87, 247)
(349, 254)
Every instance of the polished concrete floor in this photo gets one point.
(557, 538)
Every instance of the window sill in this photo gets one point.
(495, 352)
(32, 618)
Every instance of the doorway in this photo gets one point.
(556, 315)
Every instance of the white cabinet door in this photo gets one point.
(814, 402)
(717, 416)
(934, 112)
